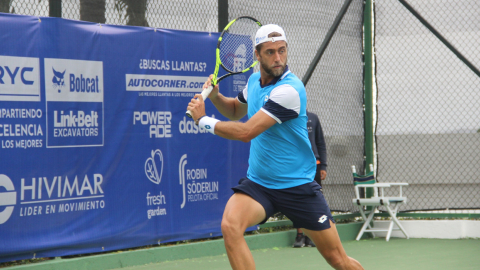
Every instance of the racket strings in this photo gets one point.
(237, 45)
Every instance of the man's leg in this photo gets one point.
(299, 239)
(240, 213)
(329, 245)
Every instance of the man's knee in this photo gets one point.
(335, 259)
(231, 228)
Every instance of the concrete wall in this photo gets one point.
(440, 229)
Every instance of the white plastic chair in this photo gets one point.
(377, 200)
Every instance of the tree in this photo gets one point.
(92, 11)
(5, 6)
(136, 11)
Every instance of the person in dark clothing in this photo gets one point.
(315, 134)
(319, 148)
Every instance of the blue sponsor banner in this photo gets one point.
(96, 151)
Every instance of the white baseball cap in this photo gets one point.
(264, 31)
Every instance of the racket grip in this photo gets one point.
(205, 93)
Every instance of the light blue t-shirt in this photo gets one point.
(280, 157)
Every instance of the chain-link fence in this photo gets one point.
(194, 15)
(335, 90)
(428, 131)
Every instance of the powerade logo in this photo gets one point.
(74, 97)
(159, 122)
(19, 78)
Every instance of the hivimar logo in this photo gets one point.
(8, 199)
(59, 190)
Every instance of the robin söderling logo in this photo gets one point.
(196, 188)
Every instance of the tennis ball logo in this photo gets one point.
(8, 199)
(154, 166)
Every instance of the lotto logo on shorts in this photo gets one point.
(322, 219)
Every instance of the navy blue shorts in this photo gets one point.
(304, 205)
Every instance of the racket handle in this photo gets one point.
(205, 93)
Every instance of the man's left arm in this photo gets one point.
(247, 131)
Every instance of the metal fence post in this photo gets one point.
(55, 8)
(368, 85)
(326, 41)
(222, 14)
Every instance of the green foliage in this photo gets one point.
(135, 11)
(22, 262)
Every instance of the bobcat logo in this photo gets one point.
(58, 80)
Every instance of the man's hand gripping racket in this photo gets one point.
(235, 52)
(196, 107)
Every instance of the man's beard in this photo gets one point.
(271, 72)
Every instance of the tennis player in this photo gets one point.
(281, 164)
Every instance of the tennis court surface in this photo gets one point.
(397, 254)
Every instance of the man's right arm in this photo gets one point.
(228, 107)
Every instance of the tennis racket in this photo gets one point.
(235, 50)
